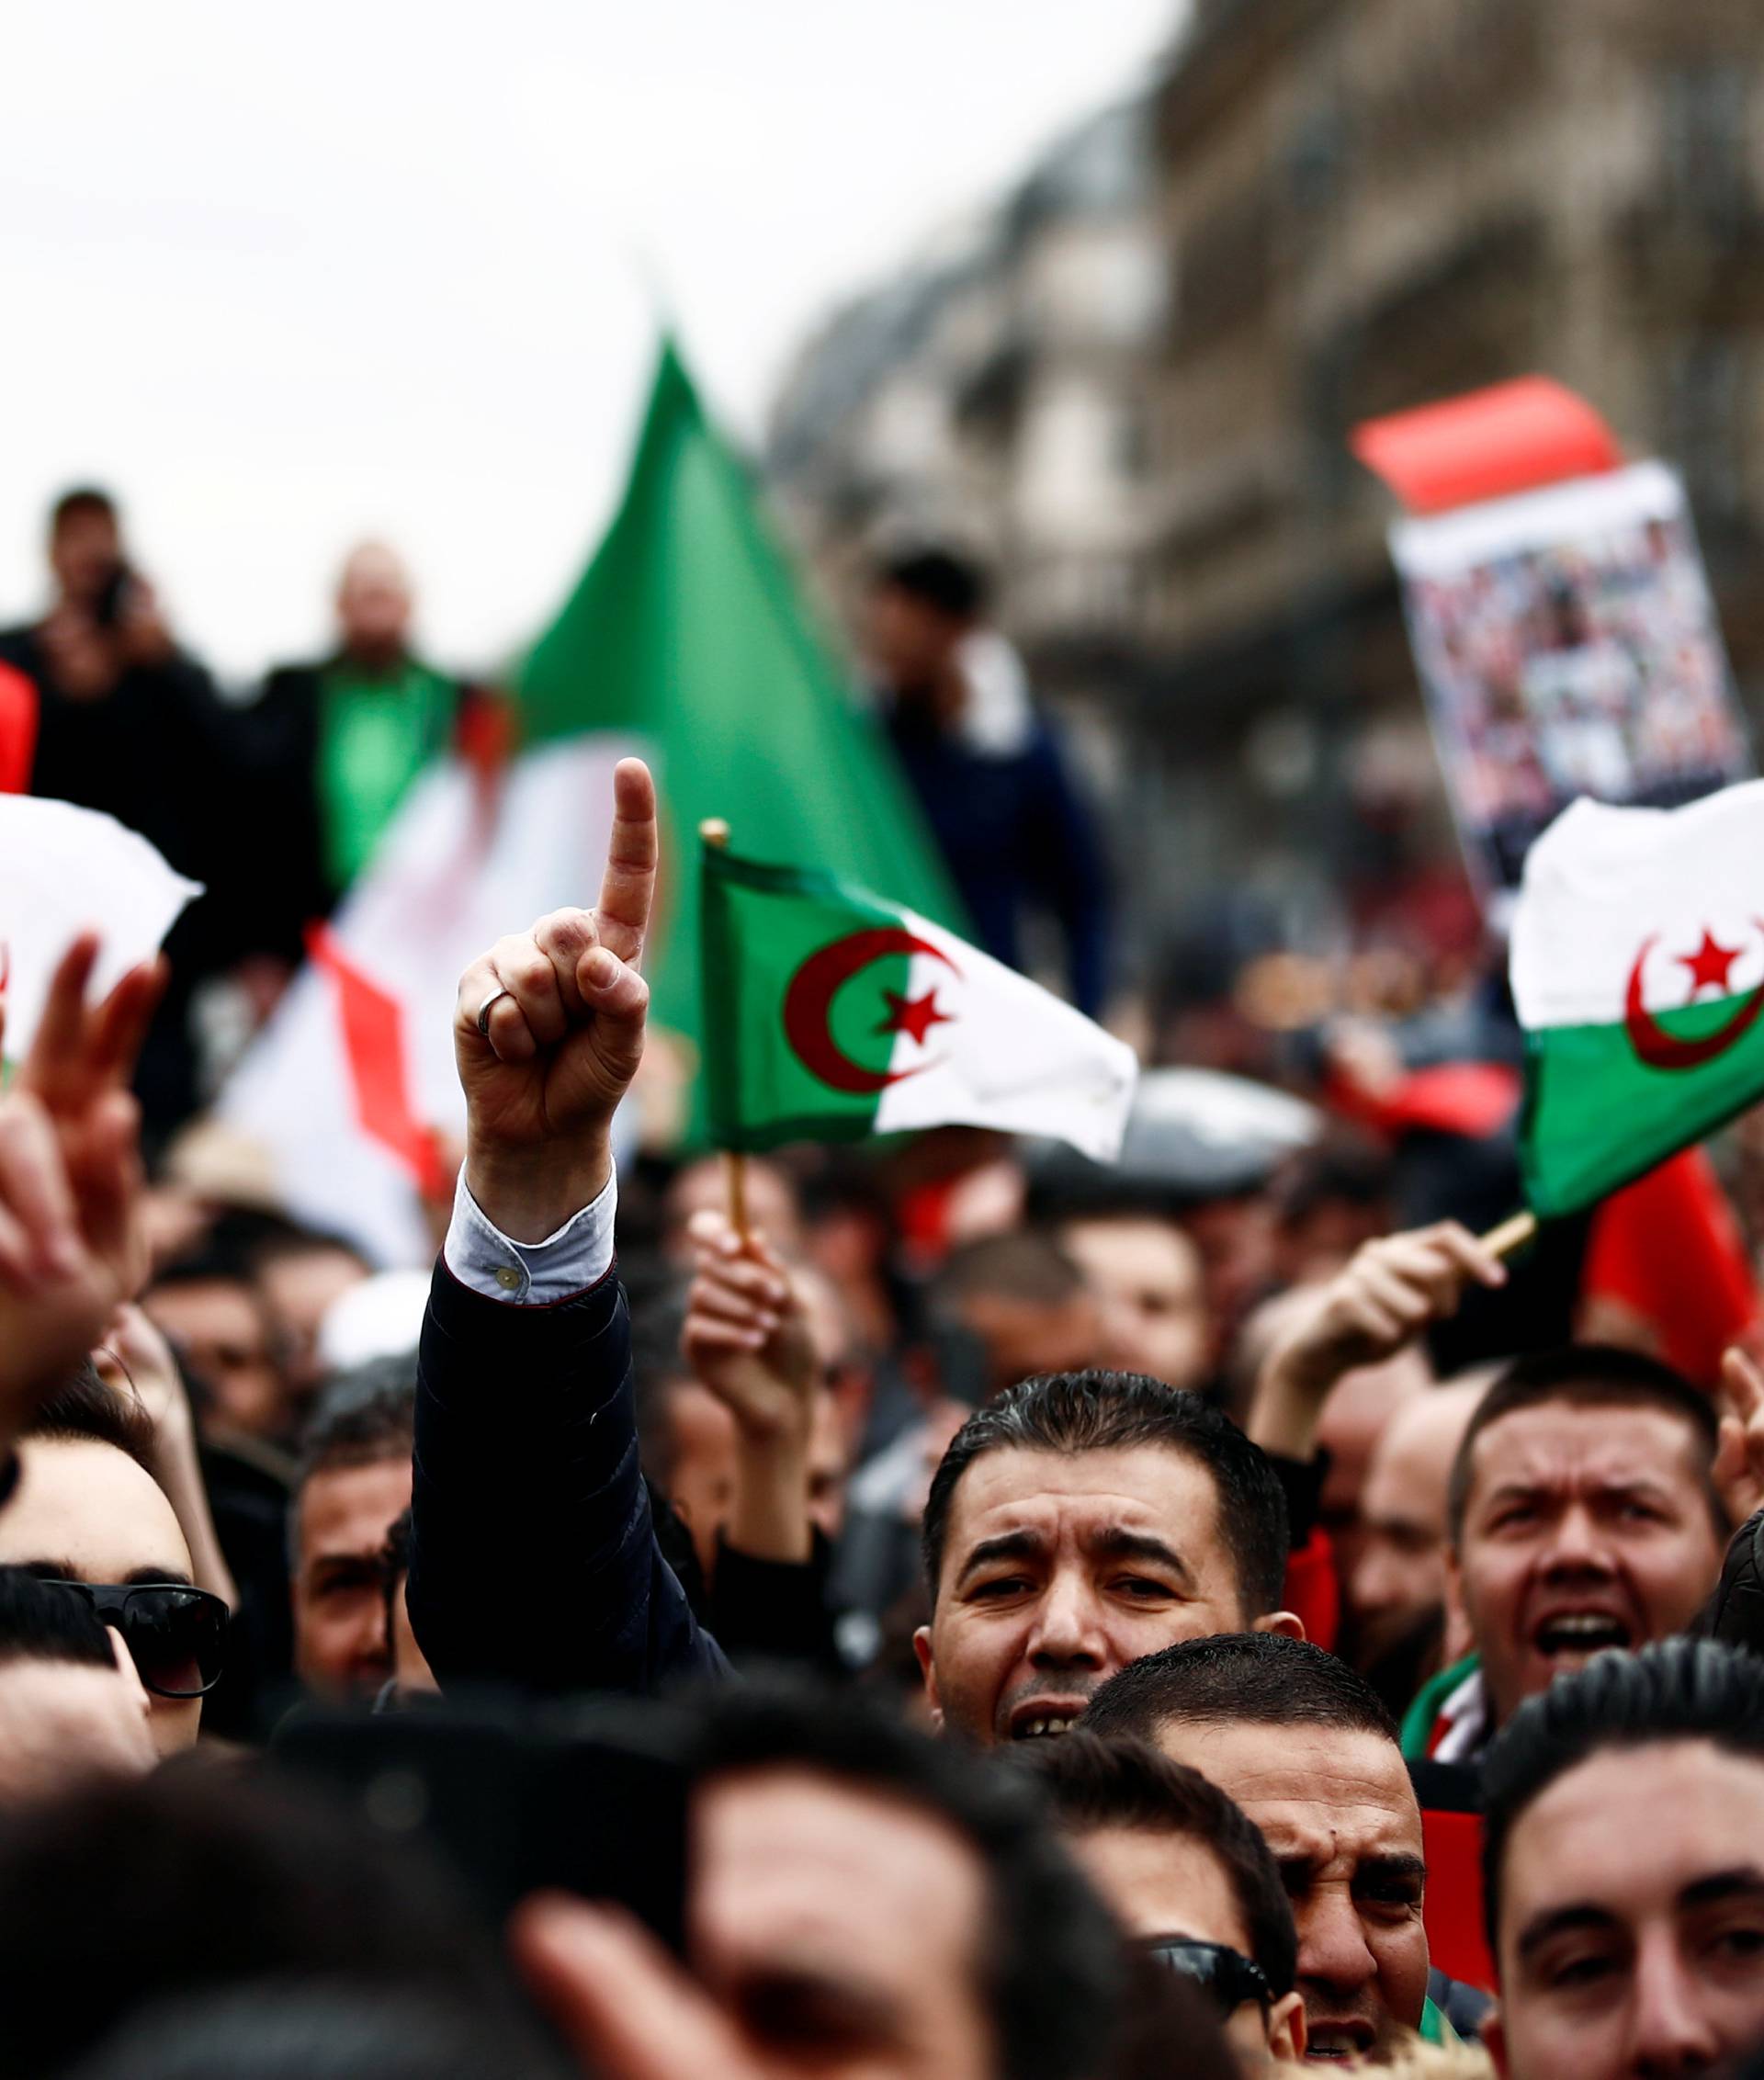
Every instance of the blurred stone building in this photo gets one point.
(1134, 387)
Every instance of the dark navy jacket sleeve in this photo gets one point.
(533, 1560)
(1065, 865)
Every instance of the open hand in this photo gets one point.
(549, 1031)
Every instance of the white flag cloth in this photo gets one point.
(63, 871)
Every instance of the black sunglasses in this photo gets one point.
(1225, 1976)
(176, 1636)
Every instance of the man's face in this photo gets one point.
(829, 1463)
(1360, 1407)
(344, 1513)
(910, 641)
(1399, 1581)
(219, 1329)
(1584, 1528)
(1161, 1883)
(299, 1289)
(1337, 1812)
(83, 552)
(1147, 1277)
(65, 1723)
(1060, 1568)
(839, 1928)
(85, 1512)
(374, 604)
(1022, 1337)
(1634, 1950)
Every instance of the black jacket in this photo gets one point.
(534, 1563)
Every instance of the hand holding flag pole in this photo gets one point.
(1512, 1234)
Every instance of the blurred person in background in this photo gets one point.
(774, 1207)
(338, 743)
(1147, 1276)
(1623, 1869)
(300, 1272)
(409, 1674)
(353, 1486)
(71, 1706)
(208, 1307)
(1304, 1747)
(1189, 1877)
(989, 770)
(129, 723)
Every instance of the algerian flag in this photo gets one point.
(829, 1015)
(1638, 974)
(684, 641)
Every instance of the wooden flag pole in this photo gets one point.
(1513, 1233)
(714, 831)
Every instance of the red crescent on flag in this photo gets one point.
(1658, 1048)
(808, 1002)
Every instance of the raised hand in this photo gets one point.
(1739, 1470)
(548, 1034)
(746, 1334)
(1390, 1290)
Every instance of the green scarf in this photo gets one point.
(377, 732)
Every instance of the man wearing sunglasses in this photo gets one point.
(1188, 1875)
(87, 1512)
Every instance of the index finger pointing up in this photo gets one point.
(628, 887)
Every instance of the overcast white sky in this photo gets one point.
(284, 274)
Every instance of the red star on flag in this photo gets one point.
(914, 1015)
(1708, 965)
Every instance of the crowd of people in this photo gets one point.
(936, 1611)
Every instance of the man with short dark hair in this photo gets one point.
(1624, 1868)
(1583, 1514)
(988, 771)
(1187, 1873)
(71, 1706)
(353, 1486)
(1081, 1521)
(1306, 1748)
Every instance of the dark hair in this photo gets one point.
(214, 1262)
(1098, 1411)
(45, 1621)
(1590, 1375)
(83, 1409)
(1677, 1689)
(78, 500)
(1124, 1782)
(361, 1417)
(279, 2029)
(1026, 1264)
(1255, 1678)
(195, 1878)
(1051, 1961)
(940, 578)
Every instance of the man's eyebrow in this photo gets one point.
(1117, 1542)
(139, 1577)
(1024, 1544)
(1397, 1863)
(1720, 1885)
(1560, 1921)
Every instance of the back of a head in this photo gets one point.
(83, 1409)
(1070, 1413)
(1250, 1678)
(940, 577)
(1025, 1265)
(43, 1620)
(1677, 1689)
(196, 1879)
(1591, 1377)
(1051, 1960)
(300, 2030)
(361, 1417)
(1093, 1784)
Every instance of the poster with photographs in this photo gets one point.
(1567, 646)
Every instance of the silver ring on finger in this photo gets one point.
(484, 1010)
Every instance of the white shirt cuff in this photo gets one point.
(530, 1274)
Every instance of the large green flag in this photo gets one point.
(687, 635)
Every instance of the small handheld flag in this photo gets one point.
(1638, 975)
(829, 1015)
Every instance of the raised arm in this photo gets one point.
(533, 1562)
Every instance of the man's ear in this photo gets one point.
(1460, 1635)
(1286, 2029)
(1493, 2039)
(1287, 1623)
(928, 1669)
